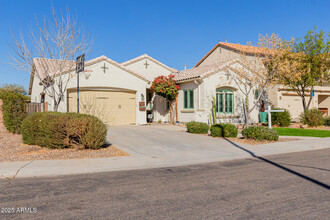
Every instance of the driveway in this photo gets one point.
(169, 143)
(173, 145)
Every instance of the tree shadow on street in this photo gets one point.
(281, 167)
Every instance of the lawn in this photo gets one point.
(302, 132)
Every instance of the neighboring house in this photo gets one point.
(283, 97)
(116, 93)
(279, 96)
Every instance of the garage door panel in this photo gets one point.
(113, 108)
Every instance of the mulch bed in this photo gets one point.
(251, 141)
(256, 142)
(13, 149)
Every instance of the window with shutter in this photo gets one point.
(224, 101)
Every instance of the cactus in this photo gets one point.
(211, 119)
(213, 111)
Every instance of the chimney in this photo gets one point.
(226, 40)
(185, 66)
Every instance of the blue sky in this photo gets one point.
(173, 32)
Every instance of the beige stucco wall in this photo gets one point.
(113, 79)
(292, 101)
(203, 102)
(324, 101)
(187, 115)
(223, 54)
(36, 90)
(151, 72)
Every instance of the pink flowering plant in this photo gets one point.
(165, 86)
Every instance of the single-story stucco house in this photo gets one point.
(119, 93)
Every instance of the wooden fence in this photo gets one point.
(33, 107)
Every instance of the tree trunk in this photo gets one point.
(310, 97)
(171, 112)
(247, 112)
(55, 108)
(304, 101)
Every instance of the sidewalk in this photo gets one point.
(228, 151)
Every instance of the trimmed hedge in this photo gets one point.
(63, 130)
(13, 109)
(197, 127)
(223, 130)
(312, 117)
(260, 133)
(282, 119)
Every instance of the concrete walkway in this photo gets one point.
(158, 146)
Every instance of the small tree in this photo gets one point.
(252, 76)
(303, 64)
(50, 51)
(166, 87)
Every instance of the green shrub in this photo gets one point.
(197, 127)
(12, 88)
(327, 121)
(61, 130)
(223, 130)
(216, 130)
(312, 117)
(282, 119)
(260, 133)
(13, 109)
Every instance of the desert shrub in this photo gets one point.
(223, 130)
(260, 133)
(327, 121)
(61, 130)
(312, 117)
(282, 119)
(197, 127)
(13, 109)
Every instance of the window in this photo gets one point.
(167, 105)
(224, 101)
(188, 99)
(42, 99)
(256, 94)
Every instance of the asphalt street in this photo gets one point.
(287, 186)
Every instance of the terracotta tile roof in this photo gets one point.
(246, 48)
(202, 71)
(239, 48)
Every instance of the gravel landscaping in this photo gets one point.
(13, 149)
